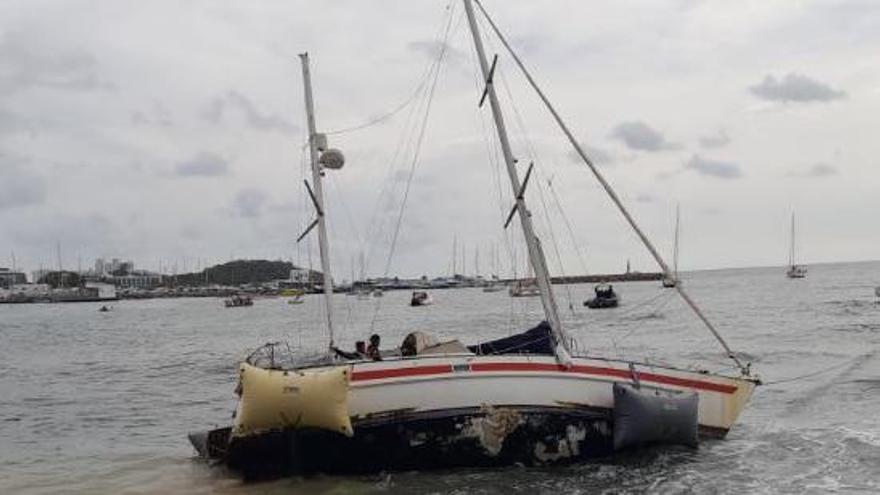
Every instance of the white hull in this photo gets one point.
(439, 383)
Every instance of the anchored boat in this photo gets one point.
(605, 297)
(794, 270)
(526, 398)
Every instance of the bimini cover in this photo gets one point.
(538, 340)
(278, 400)
(642, 417)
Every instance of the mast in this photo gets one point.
(60, 266)
(536, 254)
(675, 246)
(791, 249)
(318, 195)
(606, 186)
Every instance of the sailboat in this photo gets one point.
(794, 270)
(671, 281)
(526, 399)
(493, 284)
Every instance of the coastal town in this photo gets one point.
(115, 279)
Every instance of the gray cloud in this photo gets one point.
(433, 48)
(817, 170)
(72, 230)
(248, 203)
(716, 140)
(822, 170)
(18, 186)
(235, 101)
(795, 88)
(204, 164)
(28, 62)
(714, 168)
(11, 123)
(158, 115)
(637, 135)
(599, 156)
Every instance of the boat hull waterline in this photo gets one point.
(450, 411)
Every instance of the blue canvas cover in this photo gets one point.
(537, 340)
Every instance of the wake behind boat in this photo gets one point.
(521, 399)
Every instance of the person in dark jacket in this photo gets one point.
(373, 349)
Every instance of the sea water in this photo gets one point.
(101, 402)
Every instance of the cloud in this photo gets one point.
(203, 164)
(28, 61)
(645, 198)
(795, 88)
(717, 140)
(11, 123)
(714, 168)
(637, 135)
(72, 230)
(433, 48)
(818, 170)
(235, 101)
(18, 186)
(822, 170)
(158, 115)
(598, 156)
(248, 203)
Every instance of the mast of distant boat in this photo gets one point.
(318, 195)
(791, 248)
(536, 254)
(675, 246)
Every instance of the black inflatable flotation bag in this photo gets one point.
(642, 417)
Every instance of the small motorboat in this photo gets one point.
(238, 301)
(105, 309)
(421, 298)
(296, 300)
(877, 291)
(605, 297)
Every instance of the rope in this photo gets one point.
(808, 375)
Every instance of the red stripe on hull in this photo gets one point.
(401, 372)
(544, 368)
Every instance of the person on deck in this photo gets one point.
(360, 351)
(373, 349)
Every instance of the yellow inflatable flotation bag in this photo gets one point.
(278, 400)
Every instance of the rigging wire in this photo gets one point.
(533, 156)
(429, 98)
(495, 165)
(565, 218)
(744, 367)
(377, 223)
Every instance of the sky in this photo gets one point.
(171, 132)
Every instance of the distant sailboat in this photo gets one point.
(672, 281)
(794, 270)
